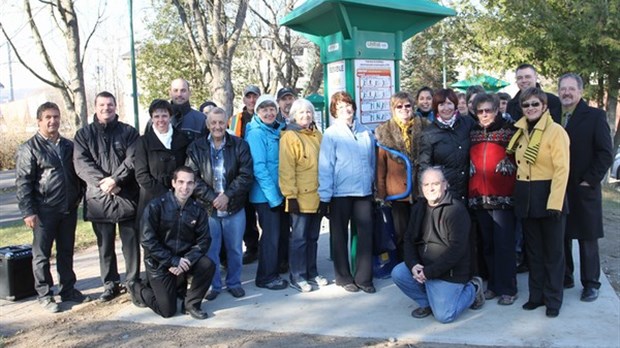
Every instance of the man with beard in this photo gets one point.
(591, 154)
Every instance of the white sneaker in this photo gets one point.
(318, 281)
(302, 286)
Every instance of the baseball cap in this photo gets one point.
(266, 99)
(251, 89)
(286, 91)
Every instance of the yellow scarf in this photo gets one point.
(405, 129)
(534, 144)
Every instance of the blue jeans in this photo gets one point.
(230, 229)
(303, 246)
(447, 300)
(269, 221)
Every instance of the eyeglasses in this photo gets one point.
(485, 111)
(406, 106)
(528, 105)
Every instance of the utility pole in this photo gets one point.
(134, 83)
(8, 47)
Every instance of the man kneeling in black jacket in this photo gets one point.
(175, 238)
(436, 271)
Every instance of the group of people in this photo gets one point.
(197, 185)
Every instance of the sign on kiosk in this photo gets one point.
(374, 84)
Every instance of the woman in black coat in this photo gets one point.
(445, 143)
(158, 154)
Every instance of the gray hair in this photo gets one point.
(300, 104)
(219, 110)
(571, 76)
(436, 169)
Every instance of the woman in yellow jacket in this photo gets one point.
(541, 149)
(298, 178)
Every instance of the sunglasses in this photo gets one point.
(406, 106)
(484, 111)
(528, 105)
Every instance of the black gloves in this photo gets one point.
(324, 209)
(555, 214)
(292, 206)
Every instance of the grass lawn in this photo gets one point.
(17, 233)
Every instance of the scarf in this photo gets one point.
(164, 138)
(405, 130)
(449, 123)
(531, 152)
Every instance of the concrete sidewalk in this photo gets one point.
(384, 315)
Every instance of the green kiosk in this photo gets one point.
(361, 46)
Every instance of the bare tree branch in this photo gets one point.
(92, 32)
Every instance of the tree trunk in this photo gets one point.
(612, 104)
(316, 77)
(76, 85)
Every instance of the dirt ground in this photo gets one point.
(87, 326)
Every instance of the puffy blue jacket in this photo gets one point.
(264, 141)
(346, 162)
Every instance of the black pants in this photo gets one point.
(250, 236)
(342, 211)
(401, 212)
(61, 228)
(498, 237)
(162, 292)
(106, 235)
(589, 262)
(544, 245)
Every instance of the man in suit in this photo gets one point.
(526, 77)
(591, 155)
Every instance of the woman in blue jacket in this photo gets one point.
(263, 136)
(346, 175)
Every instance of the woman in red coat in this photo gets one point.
(491, 184)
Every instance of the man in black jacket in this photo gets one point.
(49, 192)
(103, 158)
(526, 77)
(175, 237)
(591, 154)
(436, 271)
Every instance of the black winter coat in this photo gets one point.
(238, 172)
(154, 165)
(591, 154)
(169, 232)
(46, 183)
(443, 248)
(448, 147)
(553, 104)
(107, 151)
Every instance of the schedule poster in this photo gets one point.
(374, 84)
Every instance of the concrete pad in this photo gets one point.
(333, 311)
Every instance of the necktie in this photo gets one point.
(565, 118)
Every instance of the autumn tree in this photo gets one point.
(70, 83)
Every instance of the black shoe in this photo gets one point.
(552, 312)
(276, 284)
(529, 305)
(110, 294)
(75, 296)
(237, 292)
(350, 287)
(211, 295)
(522, 268)
(134, 289)
(589, 294)
(421, 312)
(249, 257)
(367, 289)
(569, 282)
(283, 268)
(197, 313)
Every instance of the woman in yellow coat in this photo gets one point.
(541, 149)
(298, 178)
